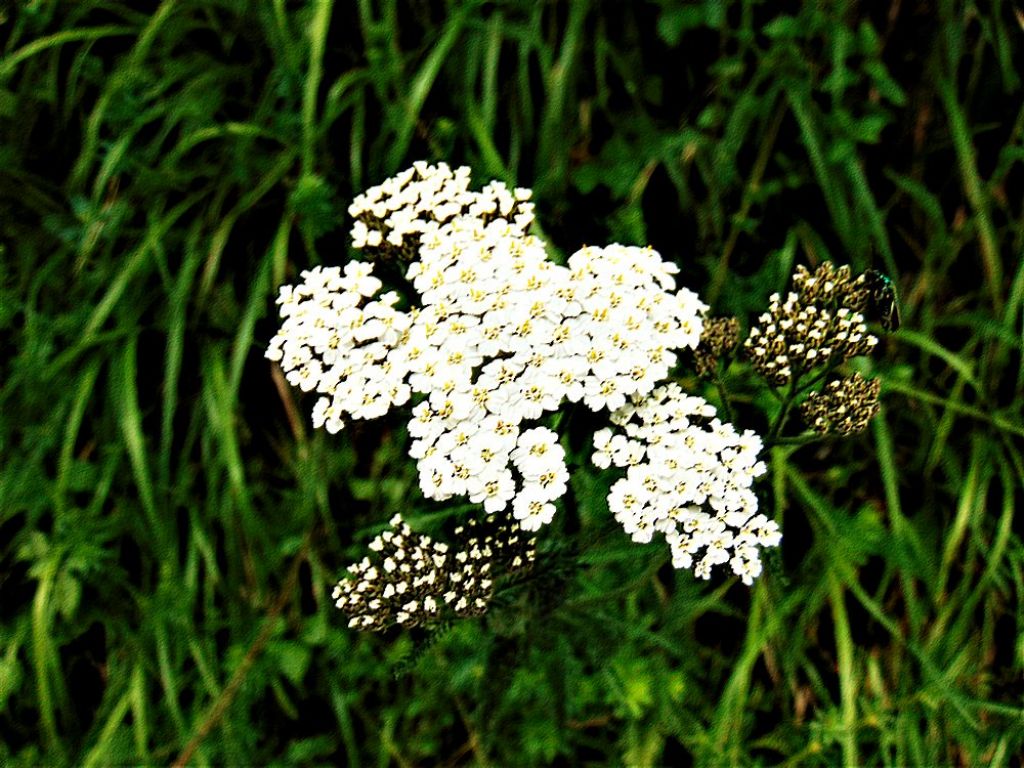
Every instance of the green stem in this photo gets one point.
(798, 440)
(780, 420)
(815, 379)
(317, 41)
(975, 190)
(795, 390)
(723, 395)
(64, 37)
(847, 678)
(43, 655)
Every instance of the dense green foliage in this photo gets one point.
(171, 527)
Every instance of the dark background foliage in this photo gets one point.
(170, 526)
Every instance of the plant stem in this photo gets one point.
(723, 396)
(780, 420)
(797, 440)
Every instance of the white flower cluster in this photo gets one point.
(500, 335)
(336, 342)
(420, 199)
(688, 477)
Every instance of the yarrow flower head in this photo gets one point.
(688, 477)
(488, 338)
(415, 580)
(496, 337)
(819, 323)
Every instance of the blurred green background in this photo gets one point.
(171, 527)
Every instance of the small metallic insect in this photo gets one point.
(883, 299)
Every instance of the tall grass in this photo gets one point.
(170, 525)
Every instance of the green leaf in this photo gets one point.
(292, 658)
(674, 22)
(306, 751)
(868, 130)
(314, 203)
(783, 28)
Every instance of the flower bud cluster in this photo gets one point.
(819, 323)
(831, 285)
(843, 407)
(416, 580)
(688, 477)
(499, 336)
(719, 338)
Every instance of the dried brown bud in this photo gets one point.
(819, 323)
(828, 285)
(719, 337)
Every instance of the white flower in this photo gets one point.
(552, 483)
(532, 509)
(537, 452)
(497, 434)
(494, 489)
(604, 393)
(602, 456)
(680, 462)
